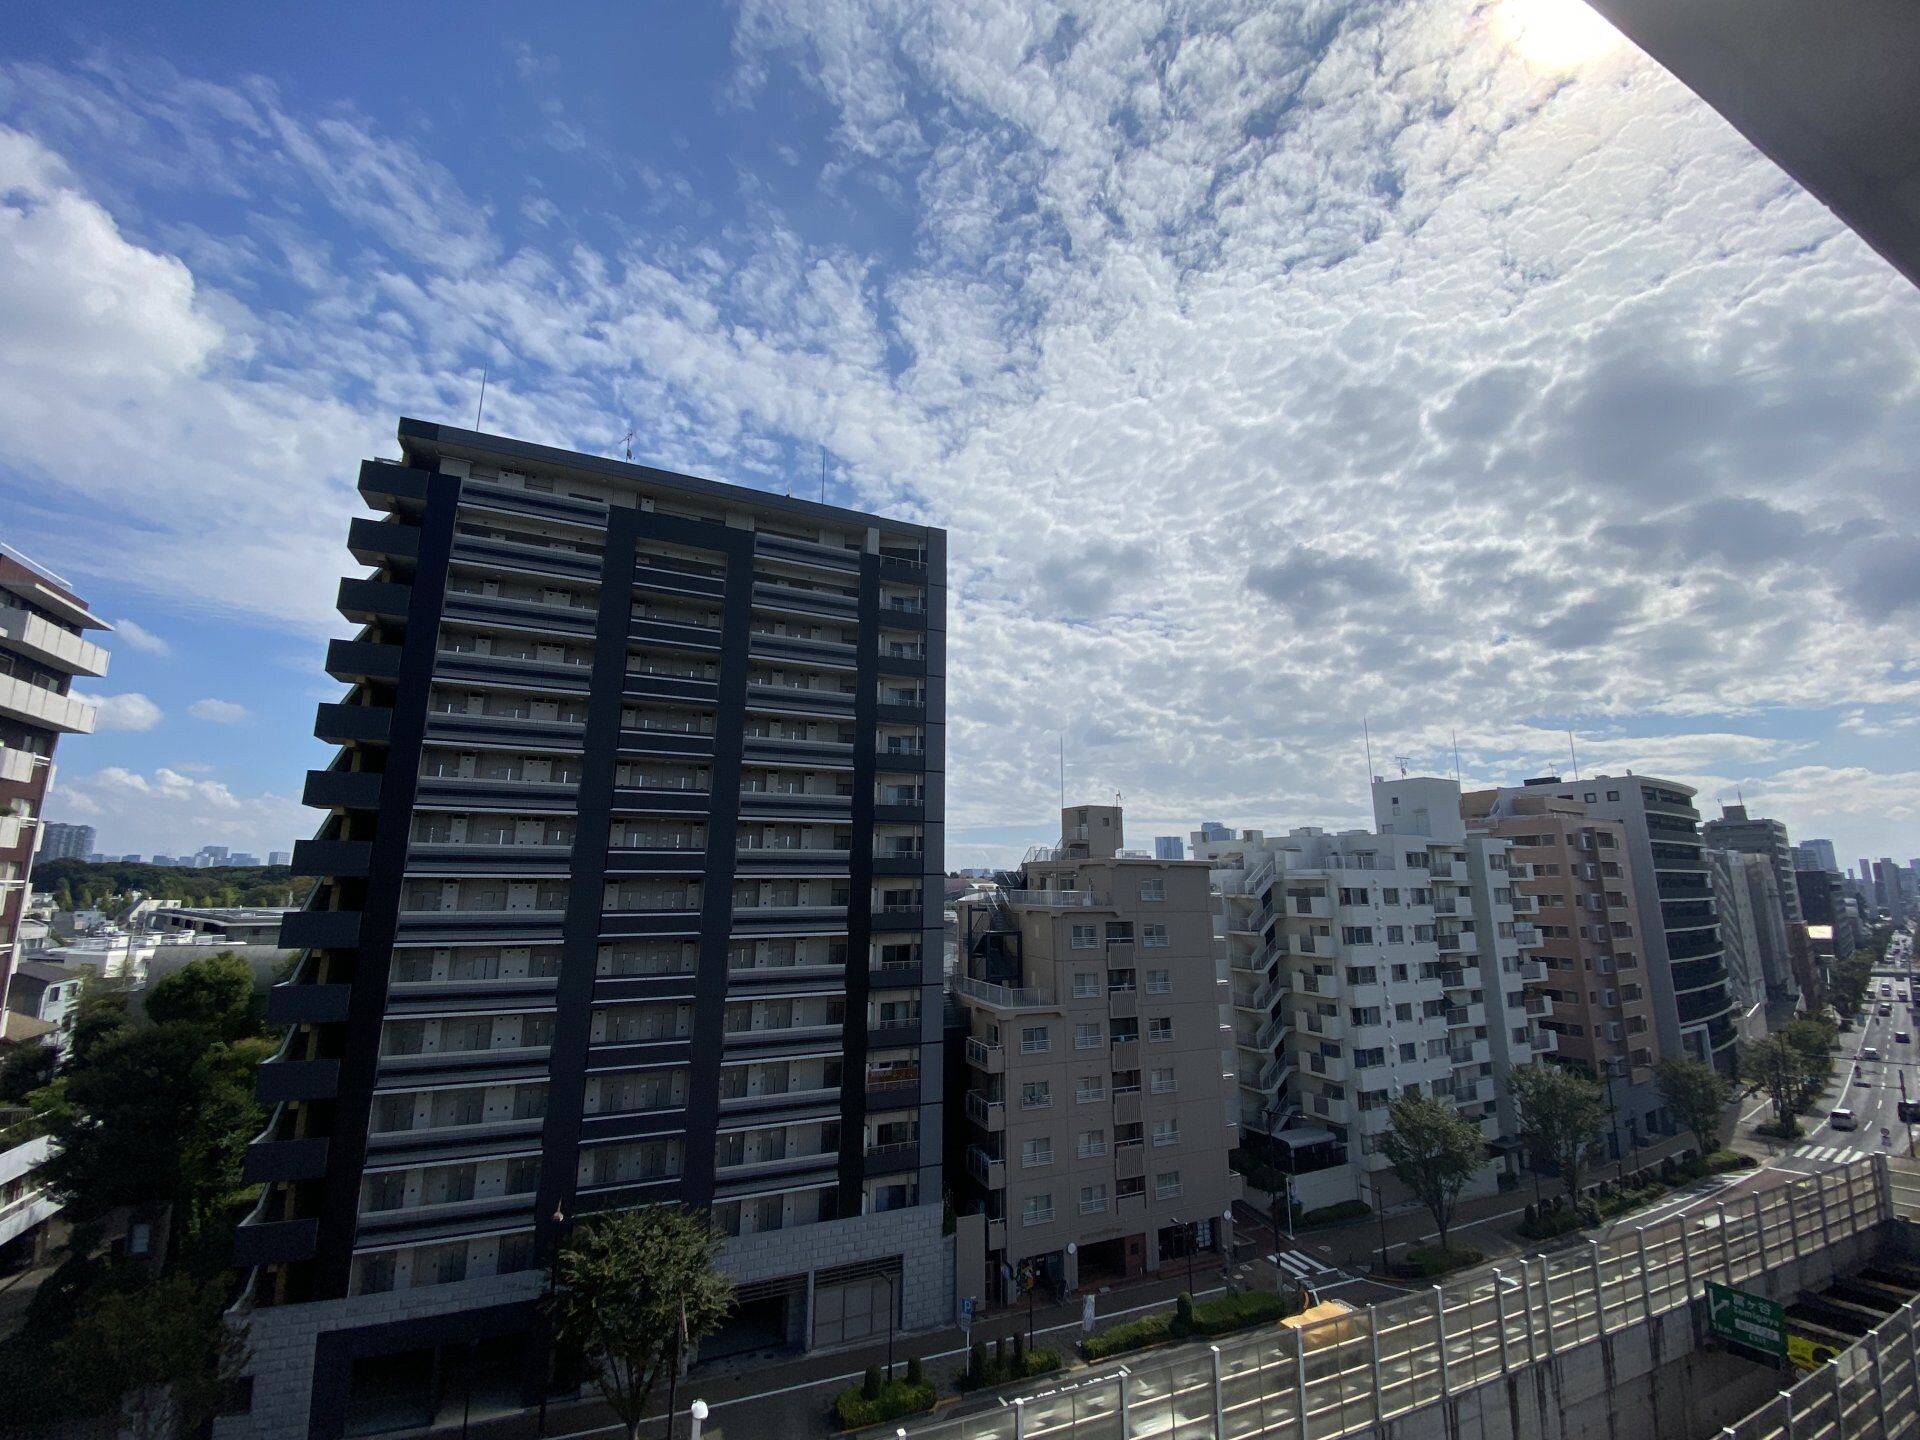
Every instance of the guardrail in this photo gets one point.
(1355, 1372)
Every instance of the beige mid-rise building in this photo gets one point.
(1099, 1104)
(1586, 908)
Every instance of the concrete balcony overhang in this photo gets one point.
(45, 709)
(42, 640)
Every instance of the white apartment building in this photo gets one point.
(1369, 964)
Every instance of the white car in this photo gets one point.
(1869, 1052)
(1843, 1120)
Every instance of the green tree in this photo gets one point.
(635, 1287)
(1782, 1070)
(99, 1015)
(1816, 1041)
(1851, 979)
(161, 1351)
(156, 1116)
(25, 1066)
(215, 992)
(1434, 1152)
(1697, 1094)
(1560, 1113)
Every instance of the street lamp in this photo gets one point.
(892, 1307)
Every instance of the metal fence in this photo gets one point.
(1351, 1372)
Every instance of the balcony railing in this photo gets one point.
(1004, 997)
(1052, 899)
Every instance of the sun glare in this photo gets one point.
(1555, 34)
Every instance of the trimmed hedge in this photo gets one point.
(1334, 1214)
(1217, 1316)
(1431, 1260)
(852, 1408)
(1721, 1161)
(999, 1372)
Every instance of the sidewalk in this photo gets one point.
(791, 1398)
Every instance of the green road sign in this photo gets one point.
(1750, 1320)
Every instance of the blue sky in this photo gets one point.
(1272, 367)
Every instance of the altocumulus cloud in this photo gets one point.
(220, 712)
(1268, 367)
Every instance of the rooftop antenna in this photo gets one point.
(481, 408)
(1367, 736)
(626, 441)
(1573, 755)
(1401, 761)
(1456, 757)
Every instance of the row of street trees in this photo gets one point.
(1792, 1065)
(1561, 1116)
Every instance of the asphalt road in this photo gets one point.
(1872, 1086)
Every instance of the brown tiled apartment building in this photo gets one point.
(1585, 907)
(1098, 1087)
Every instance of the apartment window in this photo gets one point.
(1086, 985)
(1085, 937)
(1390, 896)
(1590, 797)
(1362, 975)
(1153, 889)
(1408, 1052)
(1037, 1211)
(1160, 1030)
(1166, 1132)
(1166, 1185)
(1352, 896)
(1159, 982)
(1089, 1088)
(1398, 974)
(1613, 795)
(1092, 1144)
(1403, 1012)
(1086, 1036)
(1127, 1189)
(1036, 1094)
(1154, 937)
(1365, 1014)
(1035, 1152)
(1119, 932)
(1366, 1059)
(1034, 1040)
(1162, 1080)
(1396, 934)
(1093, 1199)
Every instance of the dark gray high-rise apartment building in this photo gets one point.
(1679, 925)
(629, 893)
(1754, 835)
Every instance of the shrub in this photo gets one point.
(1334, 1214)
(916, 1372)
(977, 1363)
(1034, 1362)
(1183, 1314)
(870, 1386)
(1430, 1260)
(1722, 1161)
(1211, 1317)
(853, 1407)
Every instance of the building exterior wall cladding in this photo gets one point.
(1100, 1099)
(641, 900)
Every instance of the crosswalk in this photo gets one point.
(1828, 1154)
(1301, 1265)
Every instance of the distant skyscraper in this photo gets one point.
(1736, 831)
(279, 857)
(1214, 830)
(1820, 851)
(65, 842)
(1169, 847)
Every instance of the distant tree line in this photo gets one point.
(83, 885)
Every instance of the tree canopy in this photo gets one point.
(634, 1288)
(1697, 1094)
(82, 885)
(1434, 1153)
(1560, 1113)
(215, 992)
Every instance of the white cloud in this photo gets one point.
(167, 812)
(131, 711)
(137, 636)
(1267, 373)
(220, 712)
